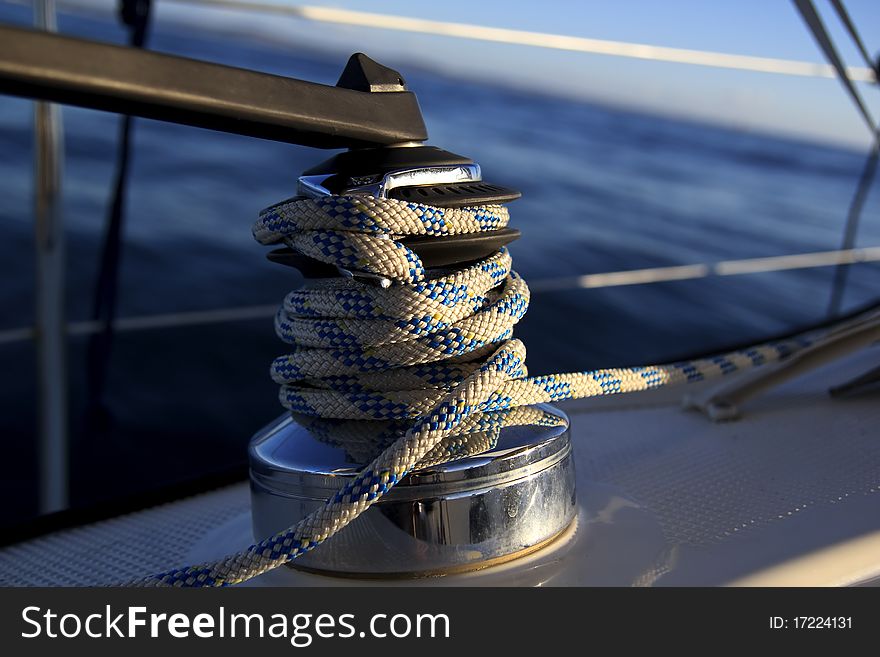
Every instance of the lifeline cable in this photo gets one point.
(434, 350)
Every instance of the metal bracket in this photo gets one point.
(724, 402)
(369, 106)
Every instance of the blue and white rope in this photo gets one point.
(434, 351)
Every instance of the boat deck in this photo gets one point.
(787, 495)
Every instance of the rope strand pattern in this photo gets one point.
(434, 352)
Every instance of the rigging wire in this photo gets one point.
(820, 34)
(136, 15)
(841, 271)
(843, 14)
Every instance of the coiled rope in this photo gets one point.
(433, 351)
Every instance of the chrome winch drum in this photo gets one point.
(462, 515)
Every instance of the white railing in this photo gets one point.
(539, 39)
(586, 281)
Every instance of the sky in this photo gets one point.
(816, 108)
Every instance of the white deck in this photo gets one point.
(788, 495)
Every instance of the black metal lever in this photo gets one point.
(370, 105)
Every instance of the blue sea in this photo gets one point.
(603, 190)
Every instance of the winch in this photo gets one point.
(465, 514)
(507, 497)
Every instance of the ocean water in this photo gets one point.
(603, 190)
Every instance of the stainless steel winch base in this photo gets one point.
(464, 515)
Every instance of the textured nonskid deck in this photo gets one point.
(788, 495)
